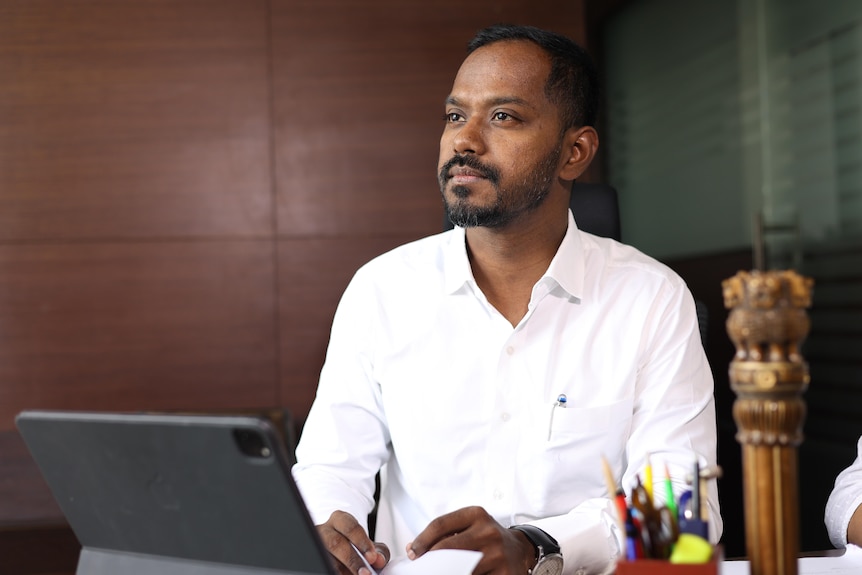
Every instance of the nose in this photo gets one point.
(469, 138)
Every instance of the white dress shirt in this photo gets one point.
(846, 496)
(424, 378)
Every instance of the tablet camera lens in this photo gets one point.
(251, 443)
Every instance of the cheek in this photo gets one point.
(520, 157)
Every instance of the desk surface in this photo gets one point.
(833, 561)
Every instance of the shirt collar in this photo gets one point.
(566, 269)
(569, 264)
(456, 264)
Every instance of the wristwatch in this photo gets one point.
(549, 560)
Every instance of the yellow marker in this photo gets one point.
(648, 478)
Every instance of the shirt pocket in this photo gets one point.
(567, 463)
(571, 424)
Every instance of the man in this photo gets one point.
(487, 370)
(843, 515)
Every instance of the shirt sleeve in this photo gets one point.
(345, 440)
(846, 496)
(673, 423)
(589, 538)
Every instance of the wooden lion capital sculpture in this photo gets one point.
(767, 321)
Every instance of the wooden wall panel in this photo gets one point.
(25, 499)
(137, 326)
(134, 119)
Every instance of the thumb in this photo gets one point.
(383, 556)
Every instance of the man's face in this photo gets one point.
(500, 149)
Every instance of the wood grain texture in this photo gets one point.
(25, 500)
(134, 119)
(137, 326)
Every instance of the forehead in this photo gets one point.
(509, 68)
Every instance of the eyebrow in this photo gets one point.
(498, 101)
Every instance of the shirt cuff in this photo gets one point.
(588, 536)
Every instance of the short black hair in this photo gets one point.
(573, 82)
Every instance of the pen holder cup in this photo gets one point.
(660, 567)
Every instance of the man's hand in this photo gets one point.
(504, 551)
(340, 534)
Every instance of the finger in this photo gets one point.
(460, 540)
(338, 535)
(443, 528)
(344, 555)
(348, 526)
(383, 555)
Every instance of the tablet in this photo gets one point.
(172, 494)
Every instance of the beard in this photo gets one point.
(510, 200)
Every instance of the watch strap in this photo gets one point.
(544, 543)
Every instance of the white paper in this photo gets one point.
(448, 561)
(848, 563)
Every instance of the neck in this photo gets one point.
(507, 262)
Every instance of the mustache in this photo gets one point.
(468, 161)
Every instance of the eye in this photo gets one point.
(452, 117)
(502, 116)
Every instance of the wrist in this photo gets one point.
(546, 557)
(529, 553)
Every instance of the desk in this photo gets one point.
(831, 562)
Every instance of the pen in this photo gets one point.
(561, 402)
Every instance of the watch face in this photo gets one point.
(549, 565)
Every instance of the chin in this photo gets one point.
(458, 193)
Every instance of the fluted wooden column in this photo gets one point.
(768, 324)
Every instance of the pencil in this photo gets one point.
(618, 496)
(615, 493)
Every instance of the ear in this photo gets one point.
(579, 149)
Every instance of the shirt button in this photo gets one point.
(505, 416)
(510, 350)
(498, 495)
